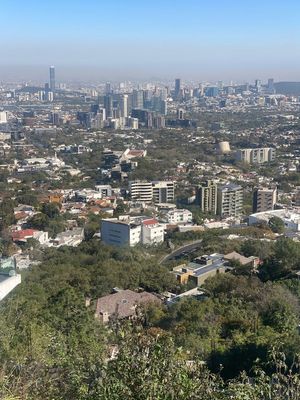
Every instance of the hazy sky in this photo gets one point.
(121, 39)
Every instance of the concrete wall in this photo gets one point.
(8, 284)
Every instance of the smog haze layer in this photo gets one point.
(131, 39)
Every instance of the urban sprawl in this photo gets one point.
(153, 164)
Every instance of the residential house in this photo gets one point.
(122, 305)
(22, 235)
(200, 269)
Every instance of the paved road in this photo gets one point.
(182, 251)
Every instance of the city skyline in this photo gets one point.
(126, 40)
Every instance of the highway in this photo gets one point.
(182, 251)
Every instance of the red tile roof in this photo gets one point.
(23, 234)
(136, 152)
(151, 221)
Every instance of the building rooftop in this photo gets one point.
(230, 186)
(123, 303)
(22, 234)
(151, 221)
(201, 270)
(287, 214)
(238, 257)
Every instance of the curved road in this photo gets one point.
(181, 251)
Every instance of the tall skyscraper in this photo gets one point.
(138, 99)
(41, 94)
(52, 78)
(108, 105)
(258, 85)
(163, 107)
(164, 93)
(270, 86)
(49, 96)
(177, 87)
(124, 105)
(270, 83)
(108, 88)
(212, 91)
(54, 118)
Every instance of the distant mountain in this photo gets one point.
(288, 88)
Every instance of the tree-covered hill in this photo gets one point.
(230, 344)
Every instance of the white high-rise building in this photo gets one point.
(163, 191)
(41, 95)
(133, 123)
(49, 96)
(256, 156)
(157, 192)
(124, 106)
(141, 191)
(230, 201)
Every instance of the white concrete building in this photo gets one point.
(86, 195)
(130, 154)
(130, 232)
(105, 190)
(5, 136)
(256, 156)
(120, 233)
(3, 117)
(133, 123)
(230, 201)
(178, 216)
(72, 238)
(8, 283)
(142, 191)
(41, 236)
(216, 225)
(157, 191)
(290, 218)
(40, 163)
(152, 232)
(163, 191)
